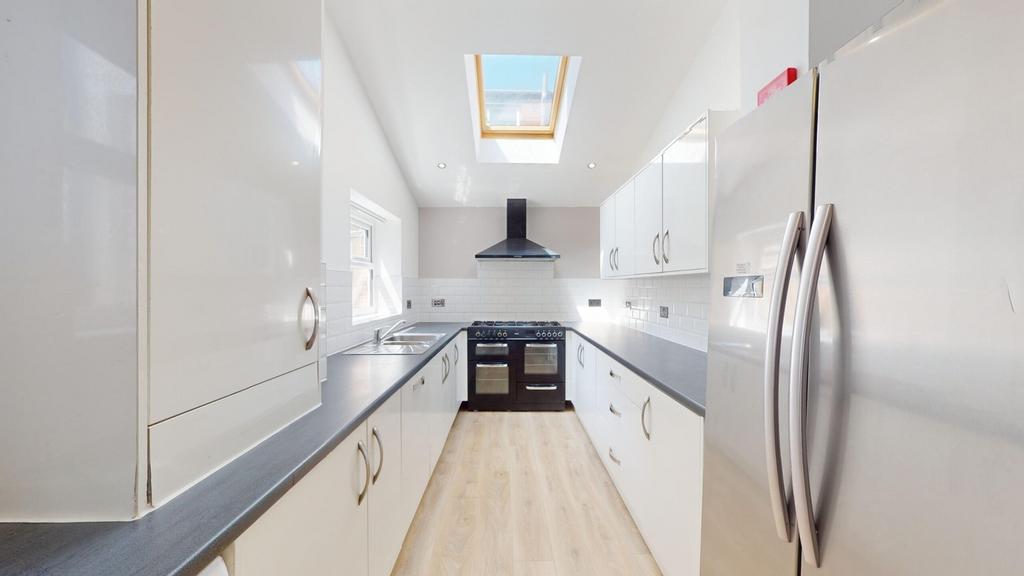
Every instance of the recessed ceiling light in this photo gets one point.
(442, 165)
(592, 165)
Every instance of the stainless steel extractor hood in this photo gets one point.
(515, 244)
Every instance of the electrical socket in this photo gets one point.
(663, 311)
(408, 304)
(437, 302)
(629, 304)
(594, 302)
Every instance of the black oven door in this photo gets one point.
(491, 375)
(540, 362)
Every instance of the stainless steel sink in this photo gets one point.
(400, 343)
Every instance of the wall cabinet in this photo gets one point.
(652, 448)
(647, 225)
(664, 208)
(617, 232)
(349, 515)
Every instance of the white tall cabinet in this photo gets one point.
(70, 218)
(158, 252)
(662, 212)
(234, 254)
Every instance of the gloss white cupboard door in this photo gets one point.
(235, 195)
(672, 517)
(415, 443)
(69, 374)
(608, 238)
(625, 212)
(319, 526)
(384, 444)
(685, 230)
(647, 229)
(461, 369)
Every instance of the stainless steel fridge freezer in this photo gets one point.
(901, 428)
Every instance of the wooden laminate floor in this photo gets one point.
(522, 493)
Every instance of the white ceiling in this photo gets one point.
(409, 55)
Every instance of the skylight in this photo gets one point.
(519, 95)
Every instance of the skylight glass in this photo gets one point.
(519, 94)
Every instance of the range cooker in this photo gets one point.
(516, 365)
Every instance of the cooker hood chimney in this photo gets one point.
(515, 244)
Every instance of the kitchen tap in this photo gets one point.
(380, 333)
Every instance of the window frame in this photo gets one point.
(487, 131)
(366, 263)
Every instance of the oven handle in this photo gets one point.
(547, 388)
(492, 364)
(499, 345)
(530, 345)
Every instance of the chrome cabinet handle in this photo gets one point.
(615, 255)
(423, 380)
(654, 248)
(456, 354)
(366, 465)
(665, 246)
(530, 387)
(311, 296)
(798, 382)
(444, 368)
(612, 373)
(612, 456)
(380, 447)
(776, 310)
(643, 417)
(611, 408)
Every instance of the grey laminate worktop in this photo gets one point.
(185, 534)
(677, 370)
(182, 536)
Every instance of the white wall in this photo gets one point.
(774, 36)
(451, 237)
(712, 82)
(356, 156)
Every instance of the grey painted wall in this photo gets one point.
(450, 237)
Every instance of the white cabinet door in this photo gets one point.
(585, 388)
(386, 531)
(437, 392)
(608, 238)
(625, 208)
(461, 369)
(319, 526)
(685, 200)
(671, 521)
(415, 443)
(647, 220)
(234, 196)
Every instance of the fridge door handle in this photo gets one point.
(772, 447)
(798, 382)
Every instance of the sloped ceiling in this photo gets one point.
(409, 55)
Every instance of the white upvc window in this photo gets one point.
(364, 301)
